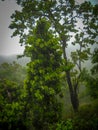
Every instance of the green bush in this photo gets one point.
(67, 125)
(86, 118)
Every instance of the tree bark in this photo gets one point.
(72, 88)
(73, 93)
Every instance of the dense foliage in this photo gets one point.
(11, 71)
(74, 23)
(11, 96)
(43, 80)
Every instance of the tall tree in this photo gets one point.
(64, 16)
(43, 82)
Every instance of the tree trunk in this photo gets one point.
(72, 88)
(73, 93)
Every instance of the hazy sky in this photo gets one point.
(8, 45)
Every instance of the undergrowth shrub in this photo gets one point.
(67, 125)
(86, 118)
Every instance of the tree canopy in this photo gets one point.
(74, 23)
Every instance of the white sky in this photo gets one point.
(8, 45)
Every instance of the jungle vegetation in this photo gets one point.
(35, 97)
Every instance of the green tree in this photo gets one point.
(91, 78)
(64, 16)
(13, 72)
(94, 69)
(12, 101)
(11, 115)
(43, 81)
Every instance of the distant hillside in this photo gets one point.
(9, 59)
(24, 60)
